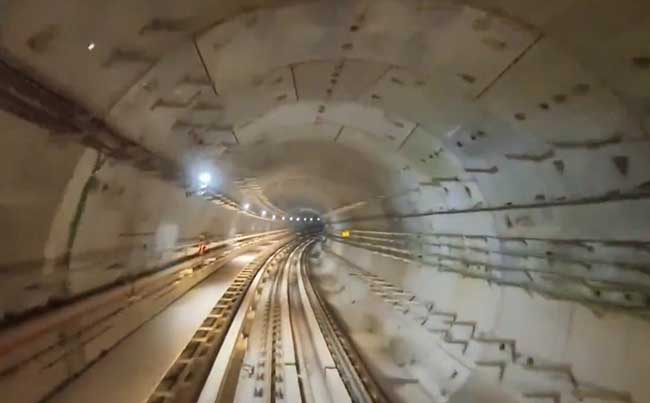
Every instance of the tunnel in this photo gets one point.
(337, 201)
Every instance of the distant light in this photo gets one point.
(91, 46)
(247, 206)
(290, 218)
(311, 219)
(263, 213)
(318, 219)
(284, 218)
(205, 178)
(297, 218)
(274, 216)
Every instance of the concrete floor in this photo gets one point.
(122, 379)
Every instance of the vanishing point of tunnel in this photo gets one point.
(335, 201)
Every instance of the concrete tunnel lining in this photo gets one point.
(488, 156)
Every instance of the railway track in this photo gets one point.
(270, 339)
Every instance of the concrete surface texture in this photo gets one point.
(489, 158)
(126, 380)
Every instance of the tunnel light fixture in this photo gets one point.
(273, 218)
(284, 218)
(290, 218)
(318, 219)
(205, 178)
(263, 213)
(246, 206)
(297, 218)
(91, 46)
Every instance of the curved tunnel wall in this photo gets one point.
(514, 133)
(604, 349)
(77, 222)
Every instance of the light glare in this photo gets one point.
(205, 178)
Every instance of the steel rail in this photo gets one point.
(270, 339)
(184, 380)
(248, 347)
(321, 379)
(356, 376)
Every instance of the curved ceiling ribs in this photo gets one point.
(438, 108)
(501, 141)
(440, 82)
(465, 104)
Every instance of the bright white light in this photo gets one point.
(290, 218)
(284, 218)
(274, 216)
(263, 213)
(311, 219)
(247, 206)
(297, 218)
(205, 178)
(318, 219)
(91, 46)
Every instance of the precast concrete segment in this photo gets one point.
(529, 375)
(33, 101)
(627, 292)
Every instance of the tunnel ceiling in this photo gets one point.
(337, 106)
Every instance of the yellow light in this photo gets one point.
(345, 234)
